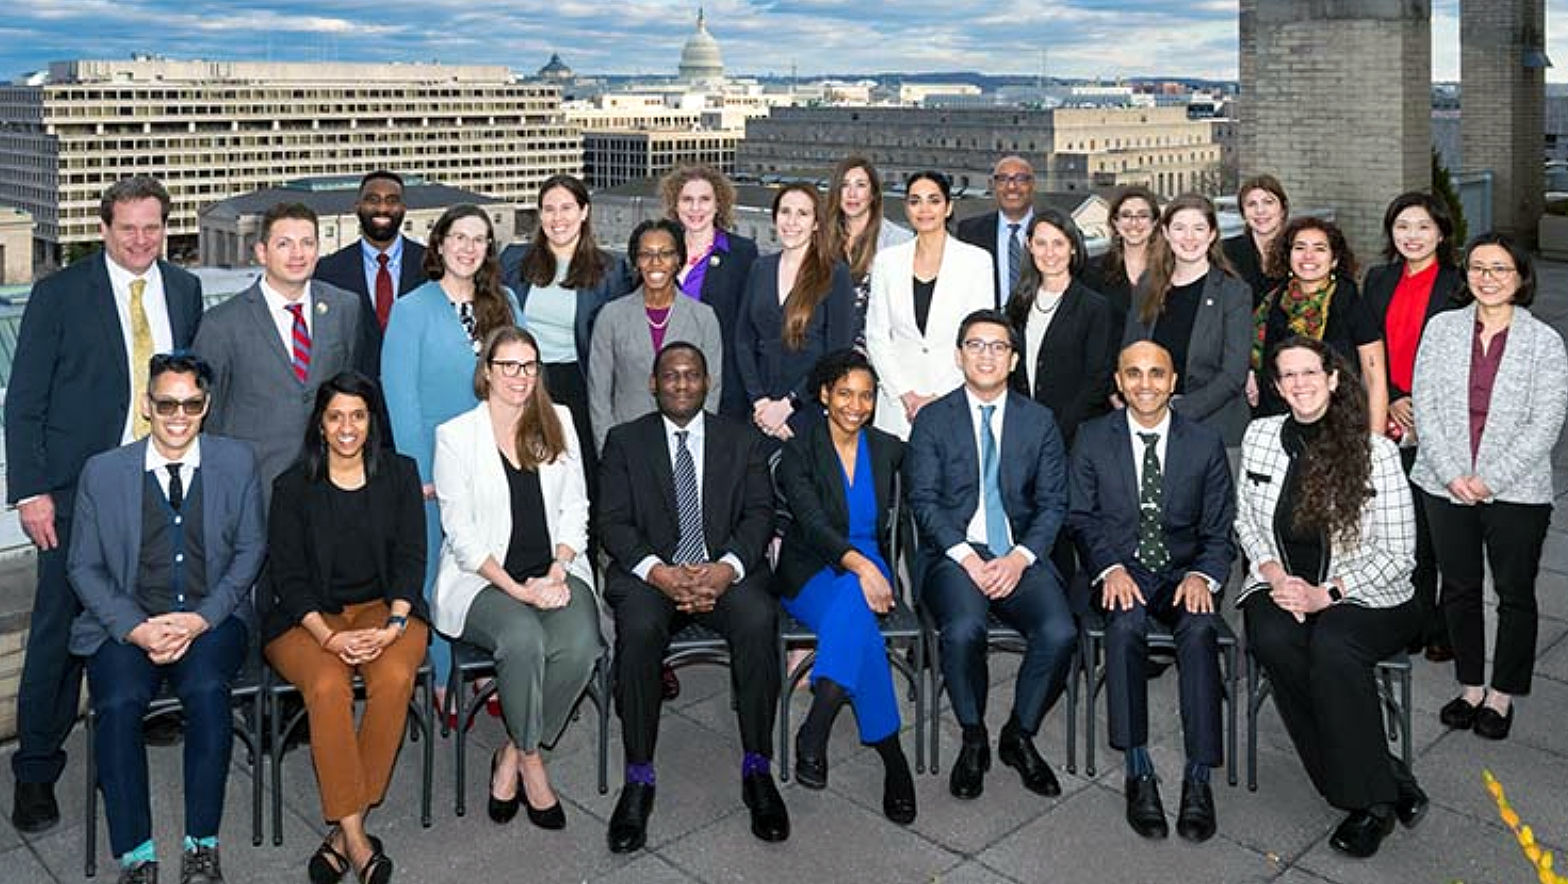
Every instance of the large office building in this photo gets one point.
(211, 130)
(614, 156)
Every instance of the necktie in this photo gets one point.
(176, 487)
(991, 486)
(383, 290)
(141, 353)
(1015, 257)
(688, 504)
(1152, 553)
(301, 339)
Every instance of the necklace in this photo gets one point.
(663, 322)
(1040, 297)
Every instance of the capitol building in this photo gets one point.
(701, 62)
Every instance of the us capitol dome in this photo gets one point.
(700, 58)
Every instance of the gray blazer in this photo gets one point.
(621, 360)
(1218, 355)
(106, 542)
(255, 395)
(1529, 399)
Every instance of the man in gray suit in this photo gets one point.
(273, 344)
(169, 537)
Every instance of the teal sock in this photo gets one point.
(210, 841)
(1138, 762)
(145, 852)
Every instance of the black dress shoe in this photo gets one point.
(1412, 803)
(1439, 653)
(1493, 725)
(968, 777)
(34, 809)
(769, 816)
(1195, 820)
(898, 798)
(811, 771)
(501, 810)
(552, 817)
(1361, 833)
(1145, 813)
(1458, 714)
(629, 822)
(1017, 751)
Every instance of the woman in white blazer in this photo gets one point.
(921, 291)
(513, 577)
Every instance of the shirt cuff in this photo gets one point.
(1106, 573)
(734, 562)
(1026, 552)
(642, 568)
(960, 551)
(1214, 585)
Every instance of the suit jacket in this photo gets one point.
(255, 394)
(345, 268)
(106, 540)
(1197, 502)
(767, 368)
(1075, 361)
(1243, 255)
(1219, 354)
(812, 480)
(636, 513)
(906, 359)
(69, 390)
(942, 465)
(303, 540)
(723, 289)
(1377, 292)
(980, 232)
(589, 301)
(476, 509)
(622, 360)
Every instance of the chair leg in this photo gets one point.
(90, 825)
(918, 683)
(258, 771)
(1230, 685)
(428, 748)
(934, 653)
(602, 676)
(1254, 700)
(459, 741)
(1074, 673)
(275, 753)
(786, 689)
(1405, 707)
(1092, 680)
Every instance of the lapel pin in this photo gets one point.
(321, 308)
(713, 261)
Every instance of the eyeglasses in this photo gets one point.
(1015, 179)
(1310, 374)
(1495, 271)
(463, 240)
(1144, 217)
(193, 407)
(512, 368)
(663, 256)
(975, 347)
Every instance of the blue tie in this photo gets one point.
(991, 486)
(690, 548)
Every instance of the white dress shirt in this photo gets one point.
(975, 533)
(1003, 233)
(696, 434)
(1035, 327)
(277, 306)
(1163, 430)
(156, 308)
(189, 464)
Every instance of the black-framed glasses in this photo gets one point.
(1015, 178)
(975, 346)
(193, 407)
(663, 256)
(1495, 271)
(512, 368)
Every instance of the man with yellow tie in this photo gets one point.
(81, 362)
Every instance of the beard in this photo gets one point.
(376, 230)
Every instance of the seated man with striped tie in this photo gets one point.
(685, 515)
(1151, 511)
(169, 535)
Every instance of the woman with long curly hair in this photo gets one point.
(1324, 515)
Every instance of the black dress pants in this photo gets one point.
(1434, 625)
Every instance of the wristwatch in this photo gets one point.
(1334, 595)
(400, 621)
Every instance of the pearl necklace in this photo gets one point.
(1040, 296)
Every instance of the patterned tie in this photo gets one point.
(991, 486)
(301, 338)
(1152, 553)
(176, 487)
(1015, 258)
(383, 290)
(688, 504)
(141, 354)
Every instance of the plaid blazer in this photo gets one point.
(1375, 570)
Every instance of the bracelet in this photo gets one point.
(400, 621)
(328, 640)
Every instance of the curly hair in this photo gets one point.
(1336, 473)
(1278, 258)
(671, 185)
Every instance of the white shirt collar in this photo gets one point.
(191, 461)
(275, 300)
(694, 428)
(120, 278)
(1163, 428)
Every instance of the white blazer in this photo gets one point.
(476, 509)
(905, 359)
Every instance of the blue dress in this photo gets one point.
(850, 649)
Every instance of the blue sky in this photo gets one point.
(1081, 37)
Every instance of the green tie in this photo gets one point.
(1152, 553)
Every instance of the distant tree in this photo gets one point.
(76, 251)
(1443, 187)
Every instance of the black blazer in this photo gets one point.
(345, 268)
(1075, 362)
(980, 231)
(69, 390)
(767, 369)
(301, 540)
(812, 480)
(636, 513)
(1097, 276)
(1377, 292)
(1248, 264)
(1198, 501)
(610, 287)
(724, 289)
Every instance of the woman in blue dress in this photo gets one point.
(839, 477)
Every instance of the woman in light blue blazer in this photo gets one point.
(427, 358)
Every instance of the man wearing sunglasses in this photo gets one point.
(169, 536)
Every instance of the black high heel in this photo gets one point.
(552, 817)
(502, 810)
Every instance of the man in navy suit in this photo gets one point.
(1152, 507)
(987, 480)
(77, 382)
(169, 537)
(1002, 232)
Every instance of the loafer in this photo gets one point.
(1458, 714)
(200, 866)
(1493, 725)
(769, 816)
(1145, 813)
(898, 800)
(811, 771)
(629, 823)
(34, 809)
(1195, 820)
(1439, 653)
(967, 779)
(1361, 833)
(139, 873)
(1017, 751)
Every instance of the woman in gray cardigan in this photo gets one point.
(1489, 405)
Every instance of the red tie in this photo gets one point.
(301, 337)
(383, 290)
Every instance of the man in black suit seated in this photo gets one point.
(77, 382)
(1152, 507)
(987, 478)
(685, 515)
(1001, 233)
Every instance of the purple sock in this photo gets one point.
(755, 764)
(640, 773)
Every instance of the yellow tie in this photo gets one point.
(141, 354)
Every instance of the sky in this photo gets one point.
(1080, 38)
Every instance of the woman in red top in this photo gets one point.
(1420, 281)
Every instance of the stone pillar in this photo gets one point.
(1338, 104)
(1503, 106)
